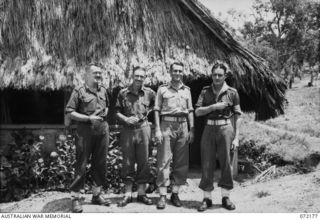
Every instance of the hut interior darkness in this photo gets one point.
(44, 46)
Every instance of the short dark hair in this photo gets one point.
(220, 65)
(138, 68)
(96, 64)
(176, 63)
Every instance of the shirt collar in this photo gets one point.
(130, 89)
(224, 88)
(90, 90)
(180, 87)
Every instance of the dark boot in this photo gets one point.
(125, 201)
(99, 200)
(144, 199)
(206, 203)
(227, 204)
(162, 202)
(175, 200)
(76, 206)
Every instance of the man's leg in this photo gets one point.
(83, 151)
(143, 169)
(127, 145)
(226, 181)
(99, 167)
(208, 160)
(164, 157)
(180, 161)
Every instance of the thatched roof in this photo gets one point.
(44, 44)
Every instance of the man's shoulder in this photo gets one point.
(124, 91)
(206, 88)
(233, 90)
(79, 88)
(186, 87)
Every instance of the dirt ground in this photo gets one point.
(289, 194)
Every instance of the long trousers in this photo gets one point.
(175, 149)
(216, 142)
(134, 143)
(88, 143)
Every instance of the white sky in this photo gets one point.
(220, 7)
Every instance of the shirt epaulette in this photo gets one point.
(233, 89)
(78, 88)
(187, 87)
(123, 90)
(206, 87)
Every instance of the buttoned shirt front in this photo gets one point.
(173, 101)
(137, 104)
(227, 94)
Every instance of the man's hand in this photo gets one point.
(131, 120)
(220, 105)
(158, 136)
(95, 119)
(235, 144)
(191, 136)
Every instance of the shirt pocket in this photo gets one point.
(88, 104)
(184, 102)
(169, 101)
(102, 100)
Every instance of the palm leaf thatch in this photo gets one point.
(45, 44)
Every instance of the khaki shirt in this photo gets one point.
(172, 101)
(227, 94)
(138, 104)
(85, 101)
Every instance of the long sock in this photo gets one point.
(225, 192)
(207, 194)
(141, 189)
(163, 190)
(96, 190)
(175, 189)
(128, 189)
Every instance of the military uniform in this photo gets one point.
(218, 135)
(90, 139)
(134, 139)
(174, 106)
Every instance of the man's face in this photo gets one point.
(218, 76)
(138, 77)
(94, 75)
(176, 73)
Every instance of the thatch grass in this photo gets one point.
(44, 45)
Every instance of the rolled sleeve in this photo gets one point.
(236, 104)
(118, 107)
(158, 100)
(190, 107)
(200, 101)
(73, 102)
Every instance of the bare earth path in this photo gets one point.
(294, 193)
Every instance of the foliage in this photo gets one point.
(26, 169)
(284, 32)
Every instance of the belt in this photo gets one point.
(174, 119)
(138, 125)
(218, 122)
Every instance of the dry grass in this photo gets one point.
(293, 136)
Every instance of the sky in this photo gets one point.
(220, 7)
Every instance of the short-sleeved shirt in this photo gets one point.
(85, 101)
(138, 104)
(173, 101)
(227, 94)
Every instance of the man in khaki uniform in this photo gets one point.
(88, 106)
(219, 103)
(174, 105)
(132, 108)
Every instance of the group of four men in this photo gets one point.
(174, 130)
